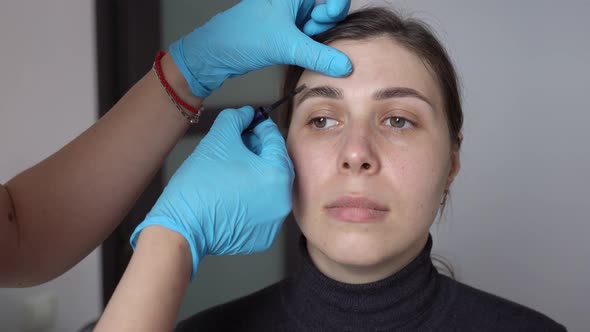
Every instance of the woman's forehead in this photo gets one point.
(379, 63)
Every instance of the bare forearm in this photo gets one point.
(66, 205)
(151, 290)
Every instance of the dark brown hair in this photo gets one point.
(414, 35)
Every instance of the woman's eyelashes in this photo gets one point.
(322, 122)
(397, 123)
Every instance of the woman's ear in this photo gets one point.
(455, 161)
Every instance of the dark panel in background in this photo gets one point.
(128, 37)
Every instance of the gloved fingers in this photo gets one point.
(270, 137)
(319, 57)
(304, 12)
(338, 8)
(312, 28)
(252, 142)
(273, 147)
(233, 121)
(322, 13)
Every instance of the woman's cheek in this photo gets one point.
(309, 163)
(312, 164)
(424, 180)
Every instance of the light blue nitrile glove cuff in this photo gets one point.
(232, 194)
(259, 33)
(196, 250)
(177, 53)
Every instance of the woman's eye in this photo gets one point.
(322, 122)
(397, 122)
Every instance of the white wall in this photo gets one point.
(518, 223)
(47, 97)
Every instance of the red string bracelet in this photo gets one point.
(193, 113)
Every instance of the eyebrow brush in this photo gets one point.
(262, 113)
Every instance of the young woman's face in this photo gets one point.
(372, 159)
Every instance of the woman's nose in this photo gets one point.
(359, 153)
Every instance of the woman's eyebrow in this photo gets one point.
(400, 92)
(327, 91)
(324, 91)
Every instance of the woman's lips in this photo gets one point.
(356, 209)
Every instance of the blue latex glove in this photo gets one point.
(259, 33)
(225, 199)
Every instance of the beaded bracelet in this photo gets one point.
(193, 113)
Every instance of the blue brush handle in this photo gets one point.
(260, 114)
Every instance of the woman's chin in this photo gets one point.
(362, 252)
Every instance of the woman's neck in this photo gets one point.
(317, 301)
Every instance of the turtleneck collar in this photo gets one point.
(317, 301)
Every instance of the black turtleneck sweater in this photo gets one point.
(417, 298)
